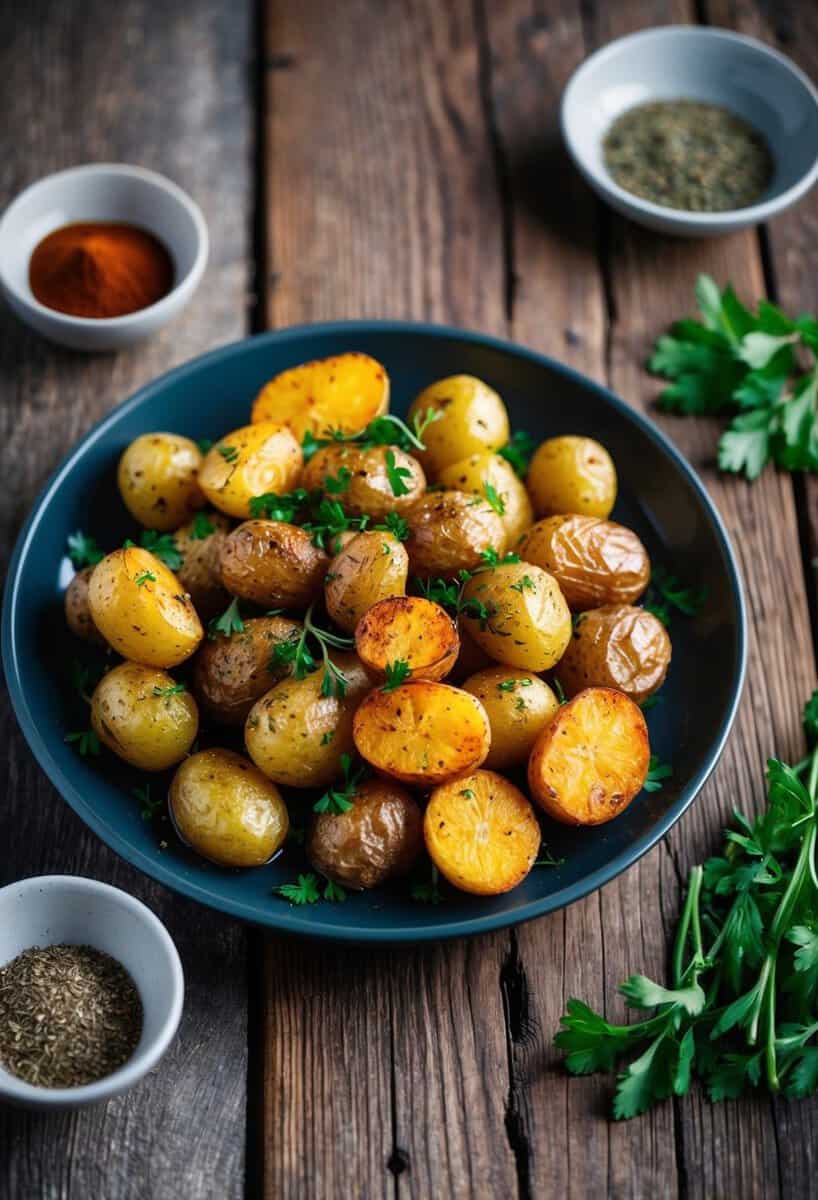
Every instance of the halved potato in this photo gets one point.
(620, 647)
(407, 629)
(595, 562)
(517, 614)
(272, 563)
(249, 462)
(345, 392)
(483, 471)
(372, 566)
(519, 705)
(366, 478)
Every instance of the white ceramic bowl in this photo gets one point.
(102, 192)
(54, 909)
(712, 65)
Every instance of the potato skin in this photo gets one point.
(152, 621)
(378, 838)
(448, 532)
(158, 479)
(617, 647)
(572, 475)
(410, 629)
(344, 392)
(231, 673)
(519, 706)
(372, 566)
(248, 462)
(369, 489)
(595, 562)
(528, 624)
(473, 473)
(273, 564)
(474, 419)
(471, 659)
(226, 810)
(199, 572)
(78, 610)
(149, 731)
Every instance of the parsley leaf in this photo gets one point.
(396, 475)
(163, 546)
(395, 525)
(85, 740)
(230, 454)
(228, 623)
(657, 772)
(204, 445)
(201, 528)
(495, 499)
(526, 584)
(334, 893)
(396, 673)
(304, 891)
(339, 799)
(174, 689)
(518, 451)
(144, 577)
(666, 593)
(427, 891)
(83, 550)
(151, 805)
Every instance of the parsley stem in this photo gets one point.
(769, 1053)
(690, 916)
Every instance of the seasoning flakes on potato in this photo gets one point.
(371, 480)
(488, 474)
(377, 838)
(158, 479)
(473, 418)
(519, 705)
(231, 673)
(343, 393)
(144, 716)
(372, 566)
(595, 562)
(572, 475)
(618, 646)
(409, 630)
(249, 462)
(449, 532)
(273, 564)
(78, 609)
(518, 615)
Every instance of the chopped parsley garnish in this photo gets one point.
(304, 891)
(339, 798)
(85, 740)
(204, 445)
(144, 577)
(162, 546)
(202, 527)
(337, 484)
(427, 891)
(495, 499)
(173, 689)
(396, 673)
(395, 525)
(228, 623)
(526, 584)
(151, 805)
(518, 451)
(666, 593)
(657, 773)
(230, 454)
(396, 475)
(83, 550)
(297, 651)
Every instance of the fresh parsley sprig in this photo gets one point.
(298, 652)
(339, 798)
(228, 623)
(666, 593)
(518, 451)
(396, 673)
(307, 890)
(161, 546)
(83, 550)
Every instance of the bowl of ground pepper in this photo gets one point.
(100, 256)
(692, 131)
(91, 992)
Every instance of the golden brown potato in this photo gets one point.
(617, 647)
(231, 673)
(366, 473)
(592, 759)
(474, 418)
(345, 392)
(595, 562)
(517, 614)
(140, 608)
(78, 610)
(249, 462)
(422, 732)
(449, 531)
(372, 566)
(226, 810)
(485, 470)
(572, 475)
(379, 837)
(519, 705)
(410, 630)
(199, 543)
(481, 833)
(158, 479)
(144, 716)
(273, 564)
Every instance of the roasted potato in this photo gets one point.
(595, 562)
(572, 475)
(483, 471)
(372, 566)
(592, 759)
(158, 479)
(448, 532)
(617, 647)
(379, 479)
(345, 392)
(249, 462)
(226, 810)
(78, 610)
(474, 418)
(519, 705)
(379, 837)
(140, 608)
(518, 615)
(231, 673)
(410, 630)
(422, 732)
(481, 833)
(144, 716)
(273, 564)
(199, 543)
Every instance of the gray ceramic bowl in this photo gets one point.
(712, 65)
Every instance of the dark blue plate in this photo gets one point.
(660, 497)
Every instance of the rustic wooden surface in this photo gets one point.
(400, 159)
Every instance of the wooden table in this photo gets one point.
(397, 158)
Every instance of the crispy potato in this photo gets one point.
(345, 392)
(422, 732)
(411, 630)
(518, 615)
(371, 566)
(448, 532)
(199, 543)
(572, 475)
(475, 473)
(78, 610)
(378, 838)
(474, 419)
(369, 488)
(617, 647)
(226, 810)
(138, 713)
(592, 759)
(158, 479)
(249, 462)
(140, 608)
(481, 833)
(297, 736)
(231, 673)
(519, 705)
(595, 562)
(273, 564)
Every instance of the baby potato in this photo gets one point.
(518, 615)
(379, 837)
(481, 833)
(595, 562)
(474, 419)
(226, 810)
(231, 673)
(407, 629)
(422, 732)
(372, 566)
(158, 479)
(344, 392)
(617, 647)
(592, 759)
(572, 475)
(485, 470)
(519, 705)
(369, 473)
(296, 735)
(199, 543)
(448, 532)
(249, 462)
(144, 716)
(78, 610)
(273, 564)
(471, 659)
(140, 608)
